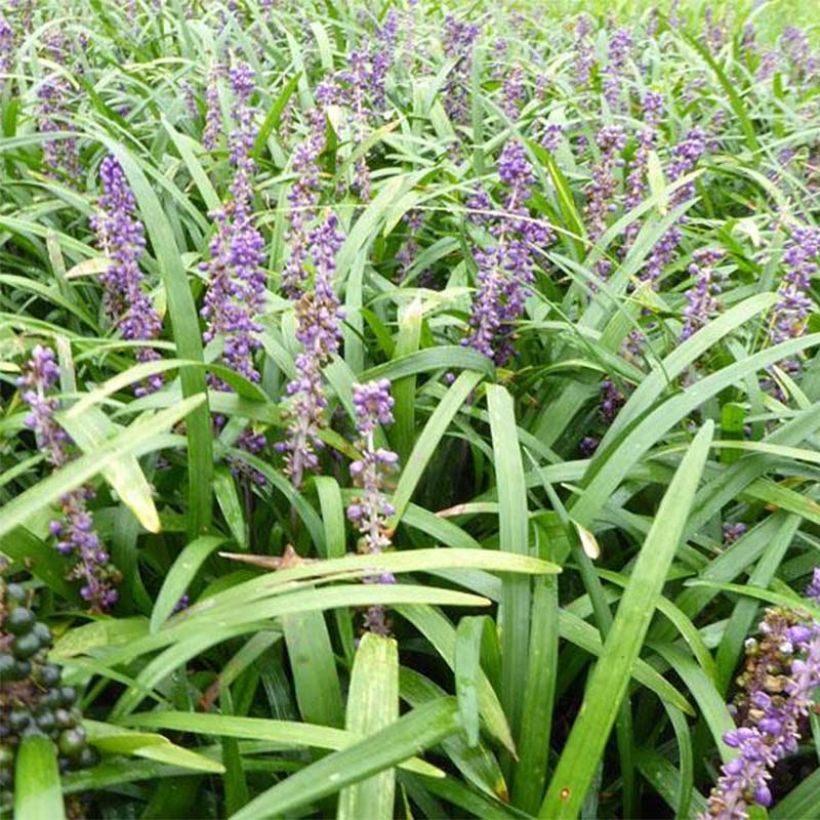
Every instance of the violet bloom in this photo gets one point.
(6, 49)
(236, 279)
(318, 323)
(551, 138)
(459, 39)
(121, 237)
(620, 45)
(75, 532)
(685, 156)
(636, 181)
(584, 53)
(213, 109)
(701, 297)
(733, 531)
(303, 198)
(715, 33)
(601, 201)
(794, 305)
(383, 57)
(414, 220)
(512, 91)
(506, 269)
(369, 512)
(782, 673)
(794, 45)
(612, 400)
(813, 589)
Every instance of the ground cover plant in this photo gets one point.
(408, 409)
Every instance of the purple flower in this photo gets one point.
(505, 269)
(318, 320)
(636, 180)
(620, 45)
(369, 512)
(584, 53)
(512, 91)
(459, 38)
(701, 297)
(781, 674)
(383, 57)
(6, 49)
(75, 531)
(794, 304)
(213, 110)
(685, 156)
(611, 140)
(551, 138)
(733, 531)
(121, 237)
(612, 400)
(236, 279)
(813, 589)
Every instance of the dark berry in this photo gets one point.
(20, 621)
(71, 742)
(24, 646)
(15, 593)
(68, 695)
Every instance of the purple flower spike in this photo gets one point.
(636, 181)
(318, 318)
(369, 512)
(213, 111)
(619, 47)
(584, 52)
(459, 38)
(813, 589)
(506, 268)
(121, 236)
(782, 672)
(601, 200)
(794, 305)
(701, 298)
(236, 280)
(6, 48)
(685, 157)
(75, 532)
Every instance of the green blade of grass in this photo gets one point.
(610, 677)
(372, 705)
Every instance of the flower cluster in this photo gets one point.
(383, 57)
(794, 305)
(506, 268)
(781, 673)
(619, 47)
(121, 237)
(75, 532)
(236, 280)
(701, 297)
(54, 96)
(512, 91)
(6, 48)
(685, 156)
(652, 106)
(584, 52)
(213, 109)
(369, 512)
(459, 38)
(611, 140)
(318, 317)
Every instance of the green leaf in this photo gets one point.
(116, 740)
(37, 793)
(513, 516)
(429, 440)
(142, 436)
(180, 576)
(419, 729)
(610, 677)
(372, 705)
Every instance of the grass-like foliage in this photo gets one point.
(409, 409)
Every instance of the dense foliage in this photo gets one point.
(408, 409)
